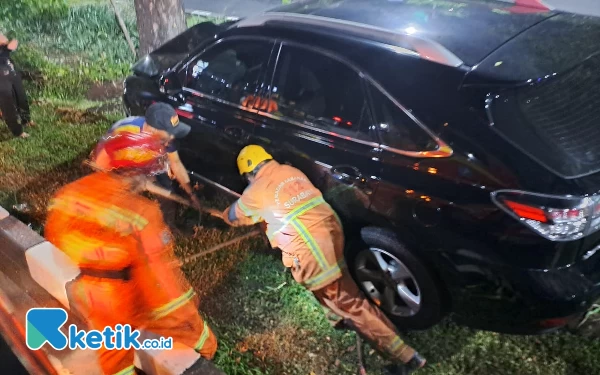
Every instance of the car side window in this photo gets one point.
(230, 70)
(318, 90)
(396, 129)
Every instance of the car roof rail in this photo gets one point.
(402, 42)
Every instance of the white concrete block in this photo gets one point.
(164, 362)
(52, 269)
(3, 213)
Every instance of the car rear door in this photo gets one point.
(416, 172)
(319, 121)
(216, 85)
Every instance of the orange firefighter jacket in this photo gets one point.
(102, 226)
(299, 222)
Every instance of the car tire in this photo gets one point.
(418, 285)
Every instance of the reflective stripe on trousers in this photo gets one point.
(330, 273)
(203, 338)
(173, 305)
(396, 345)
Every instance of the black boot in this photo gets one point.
(415, 363)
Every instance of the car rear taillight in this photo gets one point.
(557, 218)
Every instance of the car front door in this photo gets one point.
(217, 85)
(318, 120)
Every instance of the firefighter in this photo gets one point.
(310, 236)
(162, 120)
(129, 273)
(14, 105)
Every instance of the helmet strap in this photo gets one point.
(259, 167)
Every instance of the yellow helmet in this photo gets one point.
(250, 157)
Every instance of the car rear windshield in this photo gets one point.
(555, 119)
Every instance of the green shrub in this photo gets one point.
(66, 55)
(91, 32)
(33, 9)
(67, 80)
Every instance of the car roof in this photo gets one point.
(468, 29)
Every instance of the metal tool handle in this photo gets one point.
(361, 364)
(157, 190)
(215, 184)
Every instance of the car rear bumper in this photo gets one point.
(524, 301)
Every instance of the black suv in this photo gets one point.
(459, 141)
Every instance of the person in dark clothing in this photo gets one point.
(14, 104)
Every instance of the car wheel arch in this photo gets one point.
(391, 240)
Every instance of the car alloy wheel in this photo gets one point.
(388, 282)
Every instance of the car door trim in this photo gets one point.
(219, 100)
(319, 130)
(443, 150)
(324, 165)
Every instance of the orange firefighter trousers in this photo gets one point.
(129, 272)
(309, 234)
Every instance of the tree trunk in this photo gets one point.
(158, 21)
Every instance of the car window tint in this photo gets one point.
(230, 69)
(320, 91)
(396, 129)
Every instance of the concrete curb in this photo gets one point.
(42, 272)
(3, 213)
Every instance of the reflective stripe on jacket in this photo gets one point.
(101, 225)
(299, 222)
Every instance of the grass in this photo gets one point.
(32, 168)
(266, 323)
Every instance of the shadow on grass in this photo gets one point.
(36, 195)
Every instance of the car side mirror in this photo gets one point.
(170, 84)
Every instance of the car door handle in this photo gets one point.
(238, 135)
(346, 174)
(235, 132)
(350, 175)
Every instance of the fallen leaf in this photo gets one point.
(351, 349)
(337, 362)
(372, 351)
